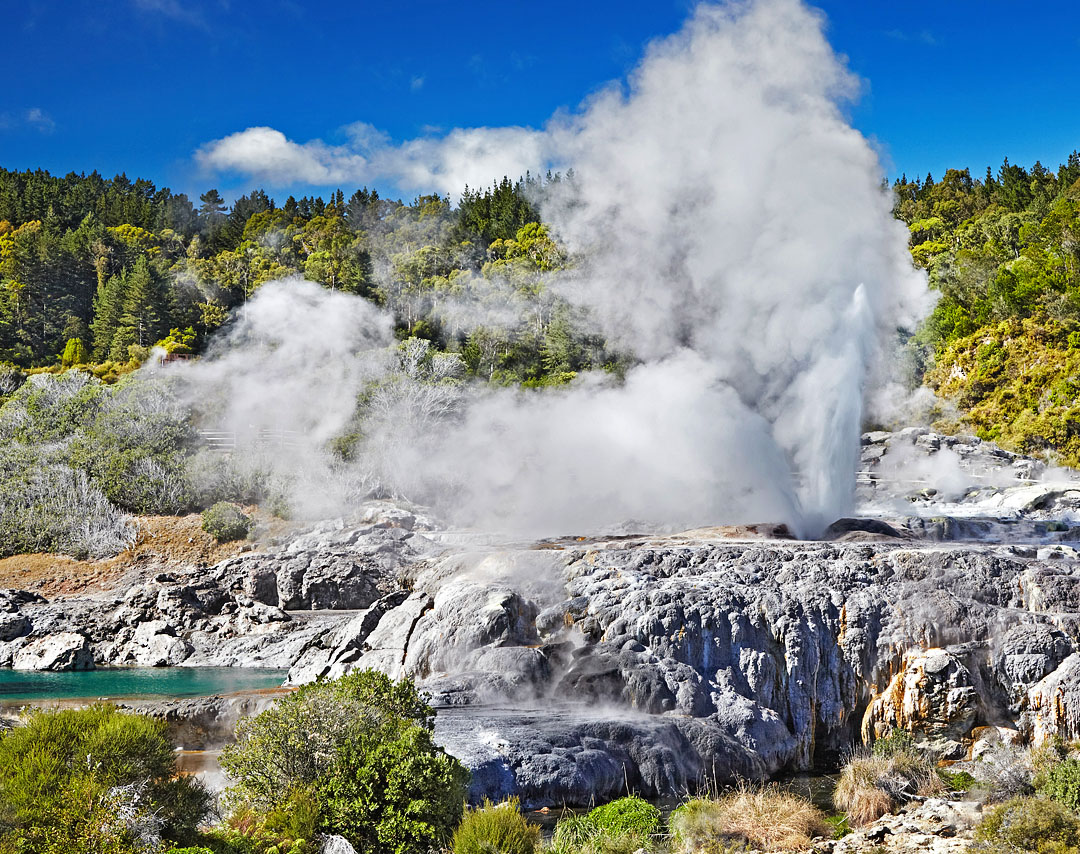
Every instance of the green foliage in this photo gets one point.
(75, 270)
(225, 522)
(1028, 824)
(627, 823)
(92, 779)
(1002, 340)
(495, 827)
(74, 353)
(362, 746)
(898, 742)
(959, 781)
(840, 825)
(286, 828)
(394, 790)
(626, 815)
(1061, 782)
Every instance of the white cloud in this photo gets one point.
(38, 118)
(34, 117)
(444, 164)
(267, 154)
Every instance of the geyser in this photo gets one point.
(730, 229)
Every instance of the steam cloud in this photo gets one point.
(732, 233)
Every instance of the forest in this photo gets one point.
(95, 272)
(1002, 344)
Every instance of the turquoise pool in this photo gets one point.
(115, 682)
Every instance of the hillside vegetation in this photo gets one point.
(1003, 342)
(95, 272)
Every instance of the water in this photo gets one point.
(128, 682)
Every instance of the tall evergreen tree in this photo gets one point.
(108, 310)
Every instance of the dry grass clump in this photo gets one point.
(873, 786)
(767, 818)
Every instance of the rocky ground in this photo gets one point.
(933, 826)
(570, 670)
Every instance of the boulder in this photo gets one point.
(13, 625)
(63, 651)
(155, 644)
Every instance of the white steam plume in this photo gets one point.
(732, 232)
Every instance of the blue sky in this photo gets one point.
(142, 85)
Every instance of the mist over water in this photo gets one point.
(730, 231)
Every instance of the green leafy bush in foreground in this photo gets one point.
(225, 522)
(362, 746)
(1028, 824)
(1061, 782)
(495, 827)
(626, 824)
(93, 779)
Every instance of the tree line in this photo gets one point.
(1003, 342)
(95, 271)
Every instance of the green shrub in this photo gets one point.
(495, 827)
(623, 825)
(287, 828)
(895, 743)
(959, 781)
(226, 522)
(1061, 783)
(840, 825)
(626, 815)
(1028, 824)
(362, 747)
(93, 779)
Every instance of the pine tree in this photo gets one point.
(108, 309)
(141, 322)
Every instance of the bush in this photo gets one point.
(45, 506)
(1028, 824)
(898, 742)
(288, 828)
(626, 815)
(959, 781)
(362, 746)
(495, 827)
(1006, 772)
(619, 827)
(1061, 783)
(873, 786)
(226, 522)
(393, 789)
(764, 818)
(75, 453)
(93, 779)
